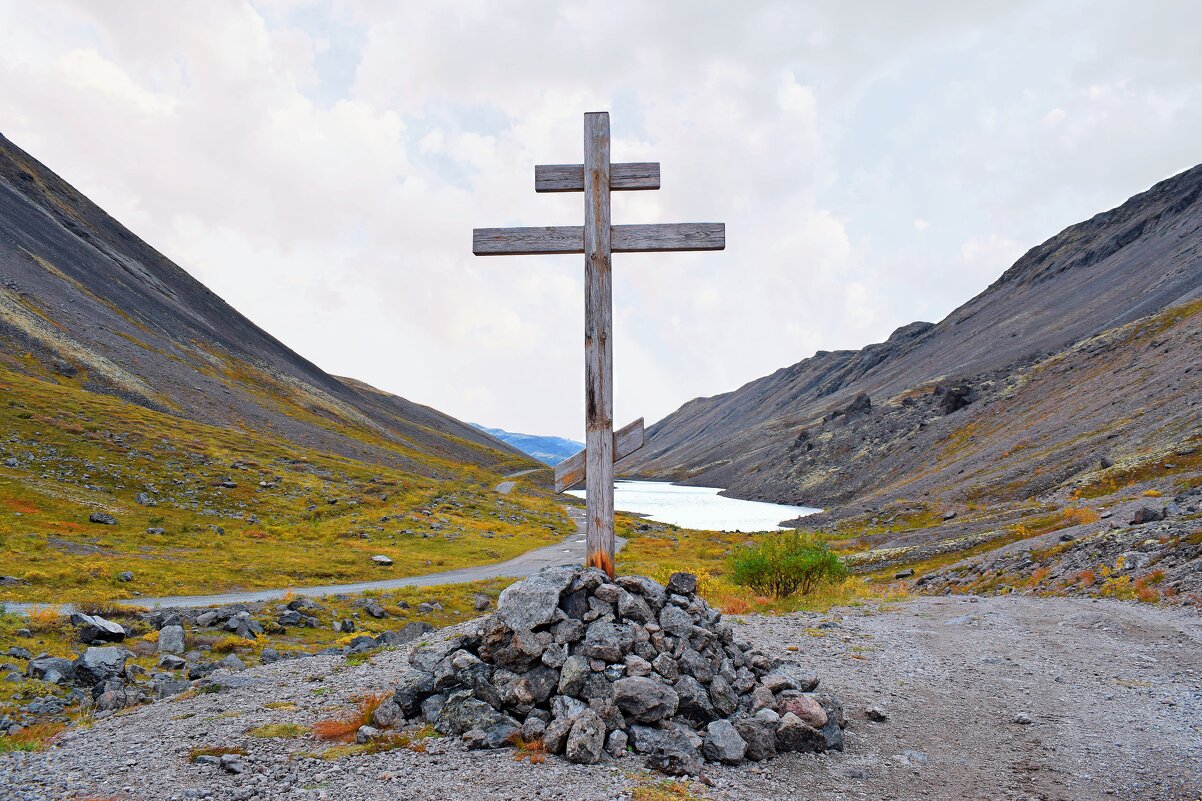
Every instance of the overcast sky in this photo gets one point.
(321, 166)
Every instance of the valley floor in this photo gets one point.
(1112, 690)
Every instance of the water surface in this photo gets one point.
(699, 507)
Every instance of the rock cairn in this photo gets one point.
(598, 669)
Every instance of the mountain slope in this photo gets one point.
(842, 424)
(82, 298)
(549, 450)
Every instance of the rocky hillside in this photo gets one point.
(84, 301)
(1082, 355)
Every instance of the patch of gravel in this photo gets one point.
(1111, 689)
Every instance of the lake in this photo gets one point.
(699, 507)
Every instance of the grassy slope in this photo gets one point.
(320, 519)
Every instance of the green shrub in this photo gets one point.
(784, 564)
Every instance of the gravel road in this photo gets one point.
(571, 551)
(1112, 691)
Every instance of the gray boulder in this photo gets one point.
(794, 734)
(675, 621)
(533, 602)
(555, 738)
(47, 667)
(586, 741)
(694, 705)
(94, 627)
(760, 736)
(790, 677)
(645, 700)
(607, 641)
(573, 674)
(615, 744)
(463, 712)
(723, 743)
(95, 665)
(412, 688)
(405, 634)
(682, 584)
(171, 640)
(669, 751)
(388, 715)
(651, 590)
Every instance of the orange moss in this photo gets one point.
(344, 729)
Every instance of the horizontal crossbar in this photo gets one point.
(570, 177)
(627, 440)
(623, 239)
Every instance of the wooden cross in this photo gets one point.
(597, 240)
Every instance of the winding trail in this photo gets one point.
(568, 552)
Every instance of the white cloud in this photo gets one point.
(321, 167)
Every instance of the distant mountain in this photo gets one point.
(85, 301)
(1077, 356)
(549, 450)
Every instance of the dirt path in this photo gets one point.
(568, 552)
(1112, 689)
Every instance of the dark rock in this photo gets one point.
(794, 734)
(40, 667)
(645, 700)
(463, 711)
(723, 696)
(533, 602)
(102, 518)
(676, 621)
(669, 751)
(412, 688)
(405, 634)
(608, 641)
(873, 713)
(97, 664)
(616, 743)
(1146, 514)
(171, 640)
(94, 627)
(573, 675)
(556, 736)
(586, 741)
(760, 736)
(682, 584)
(723, 743)
(652, 591)
(694, 704)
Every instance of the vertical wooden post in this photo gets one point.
(598, 346)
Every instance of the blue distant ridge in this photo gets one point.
(548, 450)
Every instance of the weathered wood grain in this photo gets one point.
(669, 237)
(598, 239)
(570, 177)
(528, 241)
(627, 440)
(598, 347)
(660, 237)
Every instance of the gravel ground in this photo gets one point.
(1113, 691)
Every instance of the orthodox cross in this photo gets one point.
(598, 240)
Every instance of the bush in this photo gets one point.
(784, 564)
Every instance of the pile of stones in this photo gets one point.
(598, 669)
